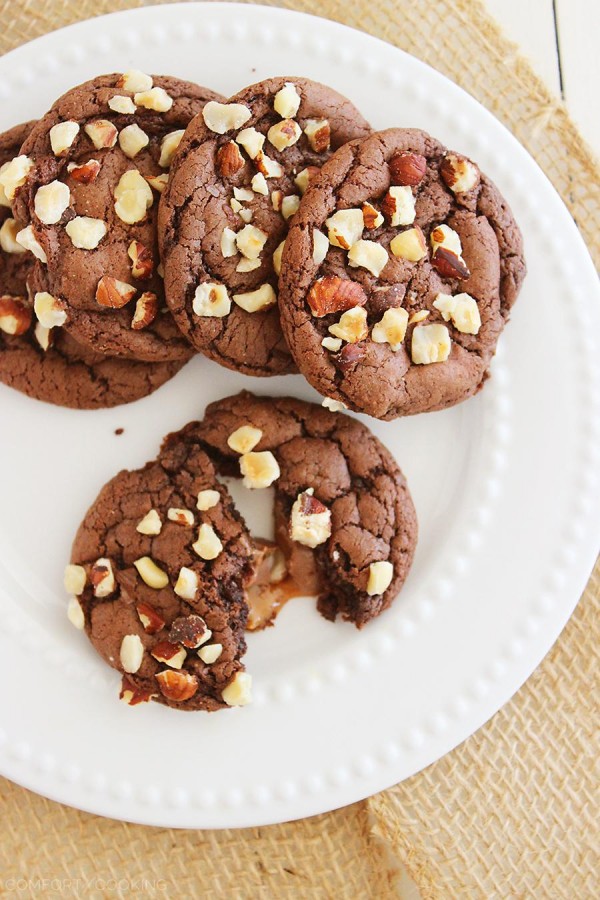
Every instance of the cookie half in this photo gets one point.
(344, 517)
(158, 569)
(86, 188)
(422, 262)
(235, 185)
(49, 364)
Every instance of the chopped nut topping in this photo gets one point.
(269, 167)
(75, 579)
(229, 159)
(142, 260)
(210, 653)
(14, 174)
(287, 101)
(155, 98)
(331, 294)
(49, 310)
(51, 200)
(333, 405)
(131, 653)
(239, 691)
(251, 140)
(171, 654)
(289, 206)
(318, 133)
(191, 631)
(260, 470)
(391, 329)
(462, 309)
(8, 237)
(132, 139)
(133, 80)
(75, 613)
(62, 135)
(181, 516)
(248, 265)
(277, 255)
(259, 184)
(146, 310)
(211, 300)
(133, 197)
(86, 233)
(222, 117)
(459, 173)
(256, 301)
(380, 577)
(133, 694)
(332, 344)
(276, 200)
(158, 182)
(284, 134)
(345, 227)
(44, 336)
(409, 244)
(250, 241)
(101, 133)
(352, 326)
(447, 250)
(15, 315)
(207, 499)
(310, 520)
(208, 544)
(368, 255)
(244, 438)
(27, 239)
(86, 173)
(320, 246)
(186, 585)
(113, 293)
(177, 686)
(150, 573)
(407, 168)
(169, 145)
(430, 344)
(151, 620)
(102, 578)
(398, 206)
(121, 104)
(302, 179)
(244, 194)
(371, 216)
(228, 244)
(419, 316)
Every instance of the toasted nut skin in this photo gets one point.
(146, 310)
(113, 293)
(15, 315)
(102, 578)
(142, 260)
(407, 168)
(132, 694)
(372, 217)
(318, 132)
(459, 173)
(229, 159)
(86, 173)
(177, 686)
(190, 631)
(332, 294)
(449, 265)
(150, 618)
(171, 654)
(349, 356)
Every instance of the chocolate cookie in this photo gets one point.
(344, 517)
(235, 184)
(49, 364)
(398, 276)
(157, 573)
(86, 189)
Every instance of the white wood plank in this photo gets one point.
(578, 24)
(530, 23)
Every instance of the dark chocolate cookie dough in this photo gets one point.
(398, 276)
(49, 364)
(235, 184)
(344, 517)
(86, 189)
(158, 572)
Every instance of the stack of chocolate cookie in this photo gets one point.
(145, 219)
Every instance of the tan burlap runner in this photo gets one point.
(510, 813)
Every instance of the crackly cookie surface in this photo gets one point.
(85, 191)
(49, 364)
(157, 574)
(235, 185)
(344, 516)
(398, 276)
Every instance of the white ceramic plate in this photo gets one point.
(506, 487)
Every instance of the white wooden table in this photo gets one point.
(561, 38)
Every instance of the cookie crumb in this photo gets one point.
(119, 430)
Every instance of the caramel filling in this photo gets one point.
(271, 586)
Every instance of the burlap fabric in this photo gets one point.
(510, 813)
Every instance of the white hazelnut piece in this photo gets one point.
(259, 470)
(8, 237)
(251, 140)
(155, 98)
(27, 239)
(228, 244)
(180, 516)
(132, 139)
(207, 500)
(223, 117)
(334, 405)
(277, 255)
(102, 577)
(121, 104)
(391, 328)
(75, 613)
(243, 194)
(4, 201)
(244, 438)
(255, 301)
(345, 227)
(284, 134)
(270, 168)
(74, 579)
(380, 577)
(210, 653)
(287, 101)
(248, 265)
(101, 133)
(86, 233)
(352, 325)
(51, 200)
(150, 573)
(250, 241)
(318, 133)
(462, 309)
(289, 206)
(133, 197)
(368, 255)
(168, 146)
(43, 336)
(399, 205)
(239, 691)
(310, 520)
(133, 80)
(332, 344)
(208, 544)
(62, 136)
(459, 173)
(259, 184)
(320, 246)
(409, 244)
(150, 524)
(14, 175)
(211, 300)
(187, 583)
(419, 316)
(430, 344)
(302, 180)
(131, 653)
(49, 310)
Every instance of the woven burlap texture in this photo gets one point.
(510, 813)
